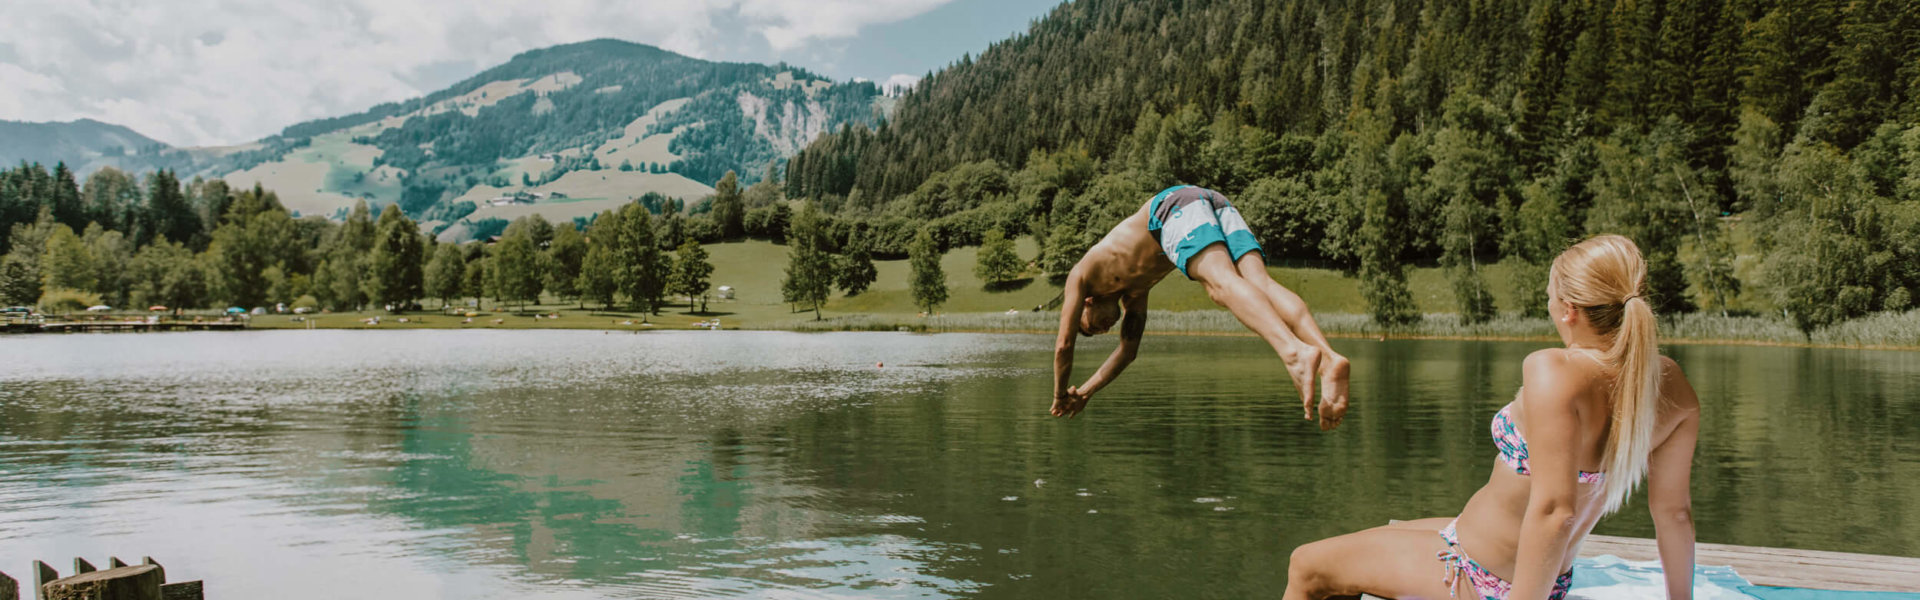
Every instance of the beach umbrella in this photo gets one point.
(157, 308)
(99, 308)
(236, 309)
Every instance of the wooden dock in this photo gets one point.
(1781, 567)
(1776, 567)
(122, 326)
(119, 581)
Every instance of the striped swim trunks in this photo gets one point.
(1186, 219)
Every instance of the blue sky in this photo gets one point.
(912, 46)
(214, 72)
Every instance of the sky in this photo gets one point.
(216, 72)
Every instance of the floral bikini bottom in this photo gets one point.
(1485, 583)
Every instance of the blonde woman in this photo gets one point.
(1590, 421)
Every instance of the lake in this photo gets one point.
(569, 464)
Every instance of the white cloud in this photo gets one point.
(792, 23)
(901, 81)
(206, 72)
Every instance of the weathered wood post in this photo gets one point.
(148, 560)
(42, 574)
(140, 582)
(146, 581)
(184, 590)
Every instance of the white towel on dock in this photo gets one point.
(1609, 578)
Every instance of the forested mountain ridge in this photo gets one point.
(598, 123)
(80, 144)
(647, 120)
(1382, 133)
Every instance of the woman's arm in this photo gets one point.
(1552, 423)
(1669, 472)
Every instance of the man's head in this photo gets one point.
(1099, 315)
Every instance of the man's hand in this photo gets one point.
(1069, 403)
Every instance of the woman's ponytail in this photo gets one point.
(1605, 277)
(1636, 398)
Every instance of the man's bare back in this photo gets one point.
(1114, 278)
(1126, 261)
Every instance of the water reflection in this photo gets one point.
(578, 464)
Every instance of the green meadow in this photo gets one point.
(754, 269)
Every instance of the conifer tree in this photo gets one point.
(928, 282)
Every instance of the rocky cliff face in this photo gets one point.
(788, 126)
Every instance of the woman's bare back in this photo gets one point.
(1490, 524)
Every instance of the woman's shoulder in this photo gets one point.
(1549, 362)
(1553, 373)
(1675, 390)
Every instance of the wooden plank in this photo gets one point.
(185, 590)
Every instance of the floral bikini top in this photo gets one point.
(1513, 447)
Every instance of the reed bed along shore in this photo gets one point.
(1883, 330)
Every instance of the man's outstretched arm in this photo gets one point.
(1072, 301)
(1132, 329)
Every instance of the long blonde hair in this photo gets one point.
(1605, 277)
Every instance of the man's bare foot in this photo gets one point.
(1301, 367)
(1334, 376)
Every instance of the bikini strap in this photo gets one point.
(1453, 561)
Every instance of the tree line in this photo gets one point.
(200, 244)
(1764, 154)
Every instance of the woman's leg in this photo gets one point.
(1334, 368)
(1213, 268)
(1392, 561)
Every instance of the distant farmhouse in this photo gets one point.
(524, 197)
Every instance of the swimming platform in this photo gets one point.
(1612, 567)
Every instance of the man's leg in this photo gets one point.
(1213, 268)
(1334, 368)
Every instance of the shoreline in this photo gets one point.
(1390, 337)
(1418, 337)
(1886, 332)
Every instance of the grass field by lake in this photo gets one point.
(755, 268)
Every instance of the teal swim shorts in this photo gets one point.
(1186, 219)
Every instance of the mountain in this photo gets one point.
(569, 130)
(1093, 72)
(83, 145)
(1378, 134)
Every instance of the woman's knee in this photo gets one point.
(1305, 567)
